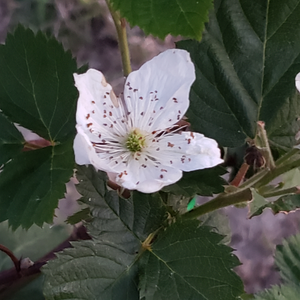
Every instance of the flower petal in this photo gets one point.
(147, 177)
(157, 95)
(298, 82)
(187, 151)
(99, 113)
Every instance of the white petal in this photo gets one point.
(147, 179)
(298, 82)
(188, 151)
(97, 107)
(160, 89)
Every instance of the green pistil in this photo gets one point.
(135, 142)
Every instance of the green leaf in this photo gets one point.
(32, 182)
(287, 258)
(92, 270)
(219, 223)
(187, 262)
(33, 243)
(284, 292)
(82, 215)
(108, 268)
(105, 265)
(202, 182)
(283, 204)
(11, 140)
(36, 91)
(163, 17)
(245, 66)
(121, 221)
(36, 84)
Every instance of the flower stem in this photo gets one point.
(120, 24)
(220, 201)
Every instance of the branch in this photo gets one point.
(11, 277)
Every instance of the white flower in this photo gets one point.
(297, 81)
(134, 137)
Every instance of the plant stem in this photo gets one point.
(287, 156)
(281, 169)
(292, 190)
(220, 201)
(263, 143)
(120, 24)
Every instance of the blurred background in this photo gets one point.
(86, 29)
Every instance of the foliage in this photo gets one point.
(245, 71)
(38, 93)
(126, 262)
(152, 246)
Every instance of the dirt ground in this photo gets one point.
(86, 28)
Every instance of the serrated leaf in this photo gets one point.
(106, 266)
(187, 262)
(103, 271)
(11, 140)
(283, 204)
(125, 222)
(81, 215)
(31, 184)
(245, 66)
(33, 243)
(36, 84)
(163, 17)
(284, 292)
(36, 91)
(202, 182)
(287, 258)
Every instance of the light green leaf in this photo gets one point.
(187, 262)
(36, 91)
(33, 243)
(283, 204)
(284, 292)
(246, 65)
(287, 258)
(163, 17)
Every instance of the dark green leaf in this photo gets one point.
(202, 182)
(92, 270)
(82, 215)
(287, 258)
(245, 72)
(36, 84)
(187, 262)
(122, 221)
(106, 265)
(284, 292)
(163, 17)
(32, 182)
(11, 140)
(36, 91)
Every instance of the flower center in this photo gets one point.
(135, 141)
